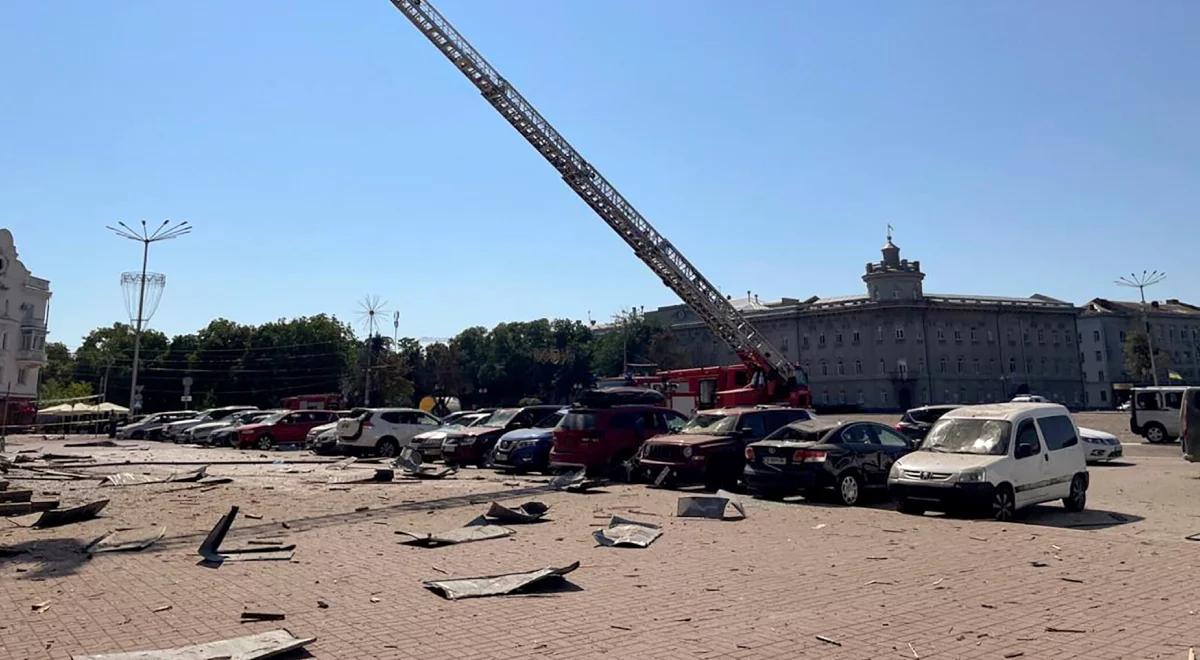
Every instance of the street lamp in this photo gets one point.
(1140, 282)
(145, 236)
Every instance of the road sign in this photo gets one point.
(186, 398)
(187, 381)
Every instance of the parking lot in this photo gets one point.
(791, 579)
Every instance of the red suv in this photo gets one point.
(283, 428)
(604, 438)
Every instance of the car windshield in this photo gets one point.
(969, 436)
(274, 417)
(470, 420)
(500, 418)
(709, 424)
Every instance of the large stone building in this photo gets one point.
(897, 346)
(24, 303)
(1103, 327)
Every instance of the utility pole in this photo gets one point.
(145, 236)
(1134, 281)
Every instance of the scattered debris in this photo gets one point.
(254, 516)
(322, 605)
(212, 553)
(914, 651)
(263, 616)
(93, 443)
(827, 640)
(58, 517)
(478, 529)
(625, 532)
(161, 608)
(1193, 537)
(819, 526)
(342, 464)
(526, 513)
(1052, 629)
(375, 599)
(22, 508)
(574, 482)
(251, 647)
(378, 475)
(1038, 564)
(131, 479)
(1070, 579)
(411, 463)
(16, 495)
(709, 506)
(1014, 654)
(38, 608)
(126, 540)
(497, 585)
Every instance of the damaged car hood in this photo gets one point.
(690, 439)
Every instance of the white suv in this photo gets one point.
(1000, 457)
(383, 430)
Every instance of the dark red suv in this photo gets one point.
(602, 439)
(283, 428)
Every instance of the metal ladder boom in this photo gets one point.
(650, 246)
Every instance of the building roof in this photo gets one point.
(1169, 307)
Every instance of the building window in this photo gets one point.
(1104, 395)
(974, 335)
(825, 397)
(1054, 337)
(942, 365)
(3, 341)
(899, 334)
(1012, 365)
(977, 367)
(879, 333)
(1011, 338)
(958, 366)
(921, 365)
(1028, 365)
(1122, 335)
(841, 369)
(855, 338)
(883, 397)
(804, 341)
(837, 339)
(991, 336)
(784, 347)
(882, 366)
(992, 365)
(22, 376)
(862, 398)
(962, 394)
(821, 340)
(941, 334)
(1041, 336)
(842, 397)
(1025, 337)
(1096, 336)
(824, 368)
(902, 368)
(1099, 356)
(1100, 376)
(895, 293)
(858, 367)
(1043, 371)
(958, 335)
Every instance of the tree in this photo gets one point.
(1136, 351)
(634, 338)
(56, 390)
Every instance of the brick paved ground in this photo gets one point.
(869, 578)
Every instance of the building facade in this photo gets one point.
(1105, 324)
(897, 346)
(24, 305)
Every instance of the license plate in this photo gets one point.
(774, 460)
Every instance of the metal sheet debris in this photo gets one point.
(627, 533)
(212, 552)
(710, 506)
(411, 463)
(131, 479)
(251, 647)
(16, 495)
(59, 517)
(126, 540)
(497, 585)
(263, 616)
(93, 443)
(342, 464)
(574, 482)
(378, 475)
(477, 530)
(526, 513)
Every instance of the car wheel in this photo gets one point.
(1077, 500)
(1155, 433)
(909, 507)
(849, 488)
(388, 448)
(1004, 504)
(266, 443)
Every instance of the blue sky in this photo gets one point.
(326, 151)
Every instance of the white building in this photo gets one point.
(24, 305)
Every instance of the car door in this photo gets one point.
(1029, 472)
(409, 425)
(860, 448)
(1172, 408)
(892, 445)
(1063, 454)
(290, 428)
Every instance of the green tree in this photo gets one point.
(1136, 352)
(56, 390)
(631, 336)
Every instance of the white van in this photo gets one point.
(1155, 412)
(999, 457)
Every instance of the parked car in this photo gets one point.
(323, 439)
(527, 449)
(809, 457)
(710, 447)
(429, 443)
(1099, 446)
(1029, 398)
(1156, 412)
(226, 436)
(915, 423)
(384, 431)
(603, 439)
(1000, 458)
(283, 428)
(473, 444)
(149, 427)
(173, 432)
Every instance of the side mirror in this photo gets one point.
(1023, 451)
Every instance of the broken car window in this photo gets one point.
(969, 436)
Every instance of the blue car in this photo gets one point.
(527, 449)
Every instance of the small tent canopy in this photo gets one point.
(65, 409)
(107, 407)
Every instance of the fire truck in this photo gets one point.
(765, 375)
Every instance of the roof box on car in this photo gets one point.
(620, 396)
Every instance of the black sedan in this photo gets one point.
(812, 456)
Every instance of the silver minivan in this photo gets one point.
(1154, 413)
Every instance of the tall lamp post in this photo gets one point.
(1140, 282)
(145, 236)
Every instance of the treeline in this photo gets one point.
(231, 363)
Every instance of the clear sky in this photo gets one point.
(325, 151)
